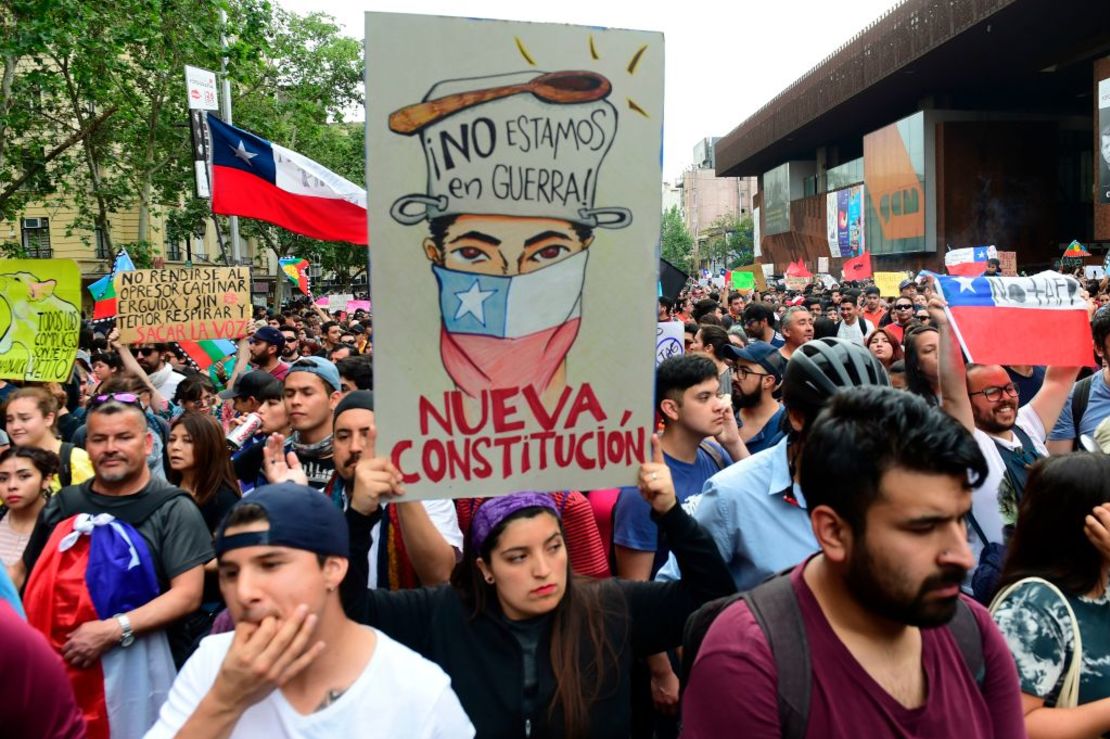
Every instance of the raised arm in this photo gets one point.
(953, 374)
(1050, 399)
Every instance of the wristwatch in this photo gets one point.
(127, 638)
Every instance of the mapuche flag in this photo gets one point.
(994, 318)
(254, 178)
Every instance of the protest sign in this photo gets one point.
(994, 317)
(339, 302)
(161, 305)
(796, 283)
(669, 340)
(1094, 272)
(743, 280)
(888, 282)
(1007, 261)
(768, 270)
(40, 318)
(757, 273)
(353, 305)
(822, 264)
(515, 179)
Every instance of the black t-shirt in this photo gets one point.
(175, 532)
(217, 507)
(318, 469)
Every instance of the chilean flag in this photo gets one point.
(92, 568)
(1039, 320)
(969, 262)
(509, 332)
(256, 179)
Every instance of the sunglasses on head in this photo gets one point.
(125, 398)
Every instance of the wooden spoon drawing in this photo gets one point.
(553, 87)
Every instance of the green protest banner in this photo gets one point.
(40, 318)
(743, 281)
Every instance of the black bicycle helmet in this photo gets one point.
(821, 367)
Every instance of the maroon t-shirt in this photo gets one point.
(733, 690)
(39, 700)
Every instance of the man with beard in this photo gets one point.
(162, 376)
(431, 543)
(756, 375)
(759, 323)
(857, 627)
(796, 328)
(290, 350)
(266, 347)
(985, 400)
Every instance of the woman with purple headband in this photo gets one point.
(533, 651)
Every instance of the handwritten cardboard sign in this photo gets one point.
(796, 283)
(1007, 262)
(888, 282)
(339, 302)
(669, 340)
(40, 318)
(515, 177)
(162, 305)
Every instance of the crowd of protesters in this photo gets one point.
(842, 529)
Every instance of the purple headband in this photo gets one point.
(494, 511)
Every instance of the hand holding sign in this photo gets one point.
(656, 483)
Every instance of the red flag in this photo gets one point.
(798, 269)
(857, 268)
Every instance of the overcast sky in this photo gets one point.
(724, 60)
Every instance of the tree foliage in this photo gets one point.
(731, 241)
(93, 108)
(678, 244)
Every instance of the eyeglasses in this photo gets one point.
(125, 398)
(744, 372)
(994, 394)
(903, 306)
(146, 350)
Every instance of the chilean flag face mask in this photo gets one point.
(513, 165)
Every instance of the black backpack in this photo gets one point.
(1080, 396)
(774, 605)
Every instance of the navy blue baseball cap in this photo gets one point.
(758, 352)
(300, 518)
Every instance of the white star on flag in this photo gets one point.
(471, 302)
(967, 284)
(242, 153)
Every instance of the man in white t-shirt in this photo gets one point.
(985, 400)
(296, 666)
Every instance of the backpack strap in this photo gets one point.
(1080, 396)
(697, 626)
(965, 630)
(65, 471)
(774, 604)
(74, 499)
(715, 455)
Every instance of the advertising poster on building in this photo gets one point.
(40, 318)
(1104, 141)
(894, 176)
(513, 174)
(776, 200)
(194, 304)
(844, 214)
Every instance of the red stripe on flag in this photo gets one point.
(966, 269)
(1025, 336)
(239, 193)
